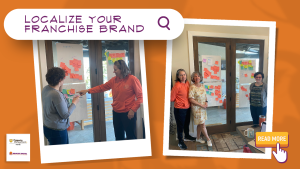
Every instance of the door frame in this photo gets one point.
(230, 45)
(96, 77)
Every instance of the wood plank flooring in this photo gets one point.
(222, 142)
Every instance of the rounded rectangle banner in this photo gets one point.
(270, 139)
(92, 24)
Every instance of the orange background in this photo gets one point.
(18, 97)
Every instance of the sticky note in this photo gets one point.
(220, 101)
(240, 62)
(109, 58)
(250, 61)
(68, 91)
(243, 88)
(64, 91)
(246, 95)
(211, 86)
(204, 60)
(219, 96)
(72, 91)
(80, 77)
(212, 94)
(245, 75)
(205, 86)
(207, 92)
(216, 99)
(206, 89)
(76, 69)
(252, 74)
(216, 62)
(66, 95)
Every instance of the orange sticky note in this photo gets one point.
(76, 69)
(219, 96)
(252, 74)
(217, 99)
(80, 77)
(212, 94)
(216, 62)
(211, 86)
(72, 91)
(220, 101)
(246, 95)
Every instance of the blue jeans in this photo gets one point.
(180, 115)
(256, 112)
(56, 137)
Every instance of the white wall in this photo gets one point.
(182, 50)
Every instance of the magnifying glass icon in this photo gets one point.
(163, 26)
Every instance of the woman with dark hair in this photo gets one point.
(179, 95)
(198, 99)
(258, 98)
(125, 88)
(57, 109)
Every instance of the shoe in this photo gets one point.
(182, 146)
(255, 125)
(200, 140)
(189, 138)
(209, 143)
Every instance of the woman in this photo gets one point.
(258, 98)
(57, 109)
(197, 97)
(179, 95)
(125, 88)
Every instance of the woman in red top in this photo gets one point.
(179, 95)
(125, 88)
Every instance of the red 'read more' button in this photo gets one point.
(270, 139)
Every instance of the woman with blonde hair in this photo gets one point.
(198, 100)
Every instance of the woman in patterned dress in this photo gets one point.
(198, 100)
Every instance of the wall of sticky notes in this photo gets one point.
(214, 93)
(70, 58)
(244, 95)
(111, 57)
(247, 69)
(211, 68)
(80, 112)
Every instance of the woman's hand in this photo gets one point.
(75, 100)
(82, 92)
(130, 114)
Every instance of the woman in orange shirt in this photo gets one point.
(179, 95)
(125, 88)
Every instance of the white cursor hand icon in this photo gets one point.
(281, 155)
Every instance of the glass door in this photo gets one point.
(212, 61)
(248, 56)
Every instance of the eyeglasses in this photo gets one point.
(258, 77)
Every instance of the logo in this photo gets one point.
(17, 141)
(11, 153)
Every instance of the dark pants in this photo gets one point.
(180, 115)
(56, 137)
(187, 123)
(122, 124)
(256, 112)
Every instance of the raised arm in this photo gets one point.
(98, 89)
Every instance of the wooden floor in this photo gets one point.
(222, 142)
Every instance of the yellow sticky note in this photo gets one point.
(114, 59)
(68, 91)
(246, 66)
(109, 58)
(250, 61)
